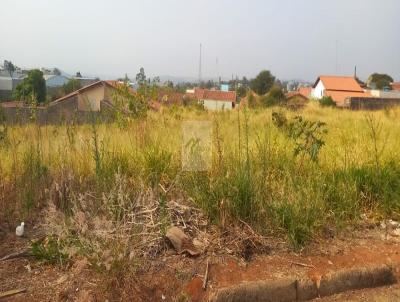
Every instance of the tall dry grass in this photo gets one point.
(255, 176)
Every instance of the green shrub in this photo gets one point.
(49, 250)
(327, 101)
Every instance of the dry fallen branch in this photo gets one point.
(15, 255)
(12, 292)
(302, 264)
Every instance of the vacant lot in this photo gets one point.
(109, 192)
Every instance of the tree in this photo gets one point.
(245, 82)
(263, 82)
(274, 97)
(241, 91)
(169, 84)
(71, 86)
(33, 87)
(9, 66)
(141, 77)
(57, 71)
(379, 81)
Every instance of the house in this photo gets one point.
(295, 94)
(395, 86)
(7, 85)
(79, 106)
(54, 80)
(224, 87)
(305, 91)
(85, 81)
(339, 88)
(90, 98)
(390, 94)
(216, 99)
(168, 97)
(296, 99)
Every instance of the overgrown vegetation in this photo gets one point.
(286, 174)
(32, 87)
(327, 101)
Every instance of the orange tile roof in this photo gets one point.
(340, 96)
(215, 95)
(339, 83)
(292, 94)
(306, 91)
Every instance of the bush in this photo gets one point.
(274, 97)
(327, 101)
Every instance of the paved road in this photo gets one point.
(383, 294)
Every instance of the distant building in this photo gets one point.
(296, 99)
(386, 94)
(85, 81)
(216, 99)
(7, 86)
(224, 87)
(53, 80)
(305, 91)
(78, 106)
(295, 94)
(89, 98)
(395, 86)
(338, 88)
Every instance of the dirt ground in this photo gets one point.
(180, 277)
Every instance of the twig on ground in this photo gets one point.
(205, 276)
(12, 292)
(20, 254)
(302, 264)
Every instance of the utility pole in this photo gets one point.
(200, 66)
(336, 60)
(216, 65)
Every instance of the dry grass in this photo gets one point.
(97, 179)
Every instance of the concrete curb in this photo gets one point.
(288, 290)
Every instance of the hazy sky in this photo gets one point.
(292, 38)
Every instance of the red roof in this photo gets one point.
(306, 91)
(215, 95)
(340, 96)
(292, 94)
(339, 83)
(395, 86)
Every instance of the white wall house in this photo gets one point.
(217, 105)
(339, 88)
(392, 94)
(216, 99)
(319, 90)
